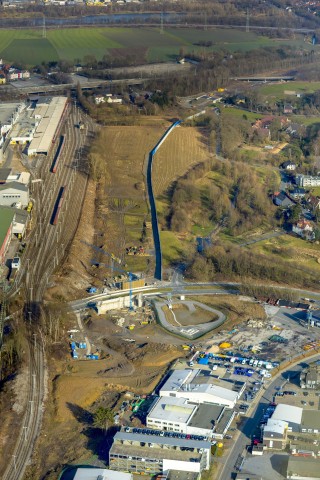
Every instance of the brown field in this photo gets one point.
(129, 367)
(186, 318)
(125, 150)
(184, 147)
(236, 309)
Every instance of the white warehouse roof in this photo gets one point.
(100, 474)
(191, 385)
(177, 379)
(275, 426)
(172, 409)
(50, 114)
(288, 413)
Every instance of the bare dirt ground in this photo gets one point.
(77, 387)
(186, 317)
(75, 275)
(237, 309)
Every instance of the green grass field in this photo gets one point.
(29, 47)
(278, 90)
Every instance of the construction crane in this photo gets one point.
(117, 269)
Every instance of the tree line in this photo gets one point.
(228, 261)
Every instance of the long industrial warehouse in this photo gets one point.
(50, 114)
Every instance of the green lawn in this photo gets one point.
(29, 47)
(239, 112)
(277, 89)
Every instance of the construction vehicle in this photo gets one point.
(112, 267)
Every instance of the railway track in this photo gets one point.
(45, 250)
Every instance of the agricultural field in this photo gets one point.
(29, 47)
(184, 147)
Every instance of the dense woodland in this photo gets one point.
(227, 261)
(234, 197)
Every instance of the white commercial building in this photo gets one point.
(196, 388)
(158, 453)
(48, 116)
(178, 415)
(290, 414)
(100, 474)
(307, 181)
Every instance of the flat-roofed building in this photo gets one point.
(198, 388)
(49, 115)
(12, 193)
(178, 415)
(310, 421)
(290, 414)
(83, 473)
(158, 453)
(302, 468)
(275, 434)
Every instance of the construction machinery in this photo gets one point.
(113, 268)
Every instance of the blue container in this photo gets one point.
(73, 345)
(74, 354)
(203, 361)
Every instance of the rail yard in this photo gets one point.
(55, 220)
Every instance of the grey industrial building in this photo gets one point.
(156, 454)
(302, 468)
(179, 415)
(12, 193)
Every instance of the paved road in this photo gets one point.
(245, 435)
(192, 331)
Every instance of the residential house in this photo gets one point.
(296, 130)
(287, 108)
(314, 203)
(99, 99)
(12, 193)
(6, 221)
(310, 377)
(275, 434)
(265, 122)
(113, 98)
(15, 74)
(304, 229)
(282, 200)
(288, 165)
(297, 193)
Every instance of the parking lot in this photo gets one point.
(161, 433)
